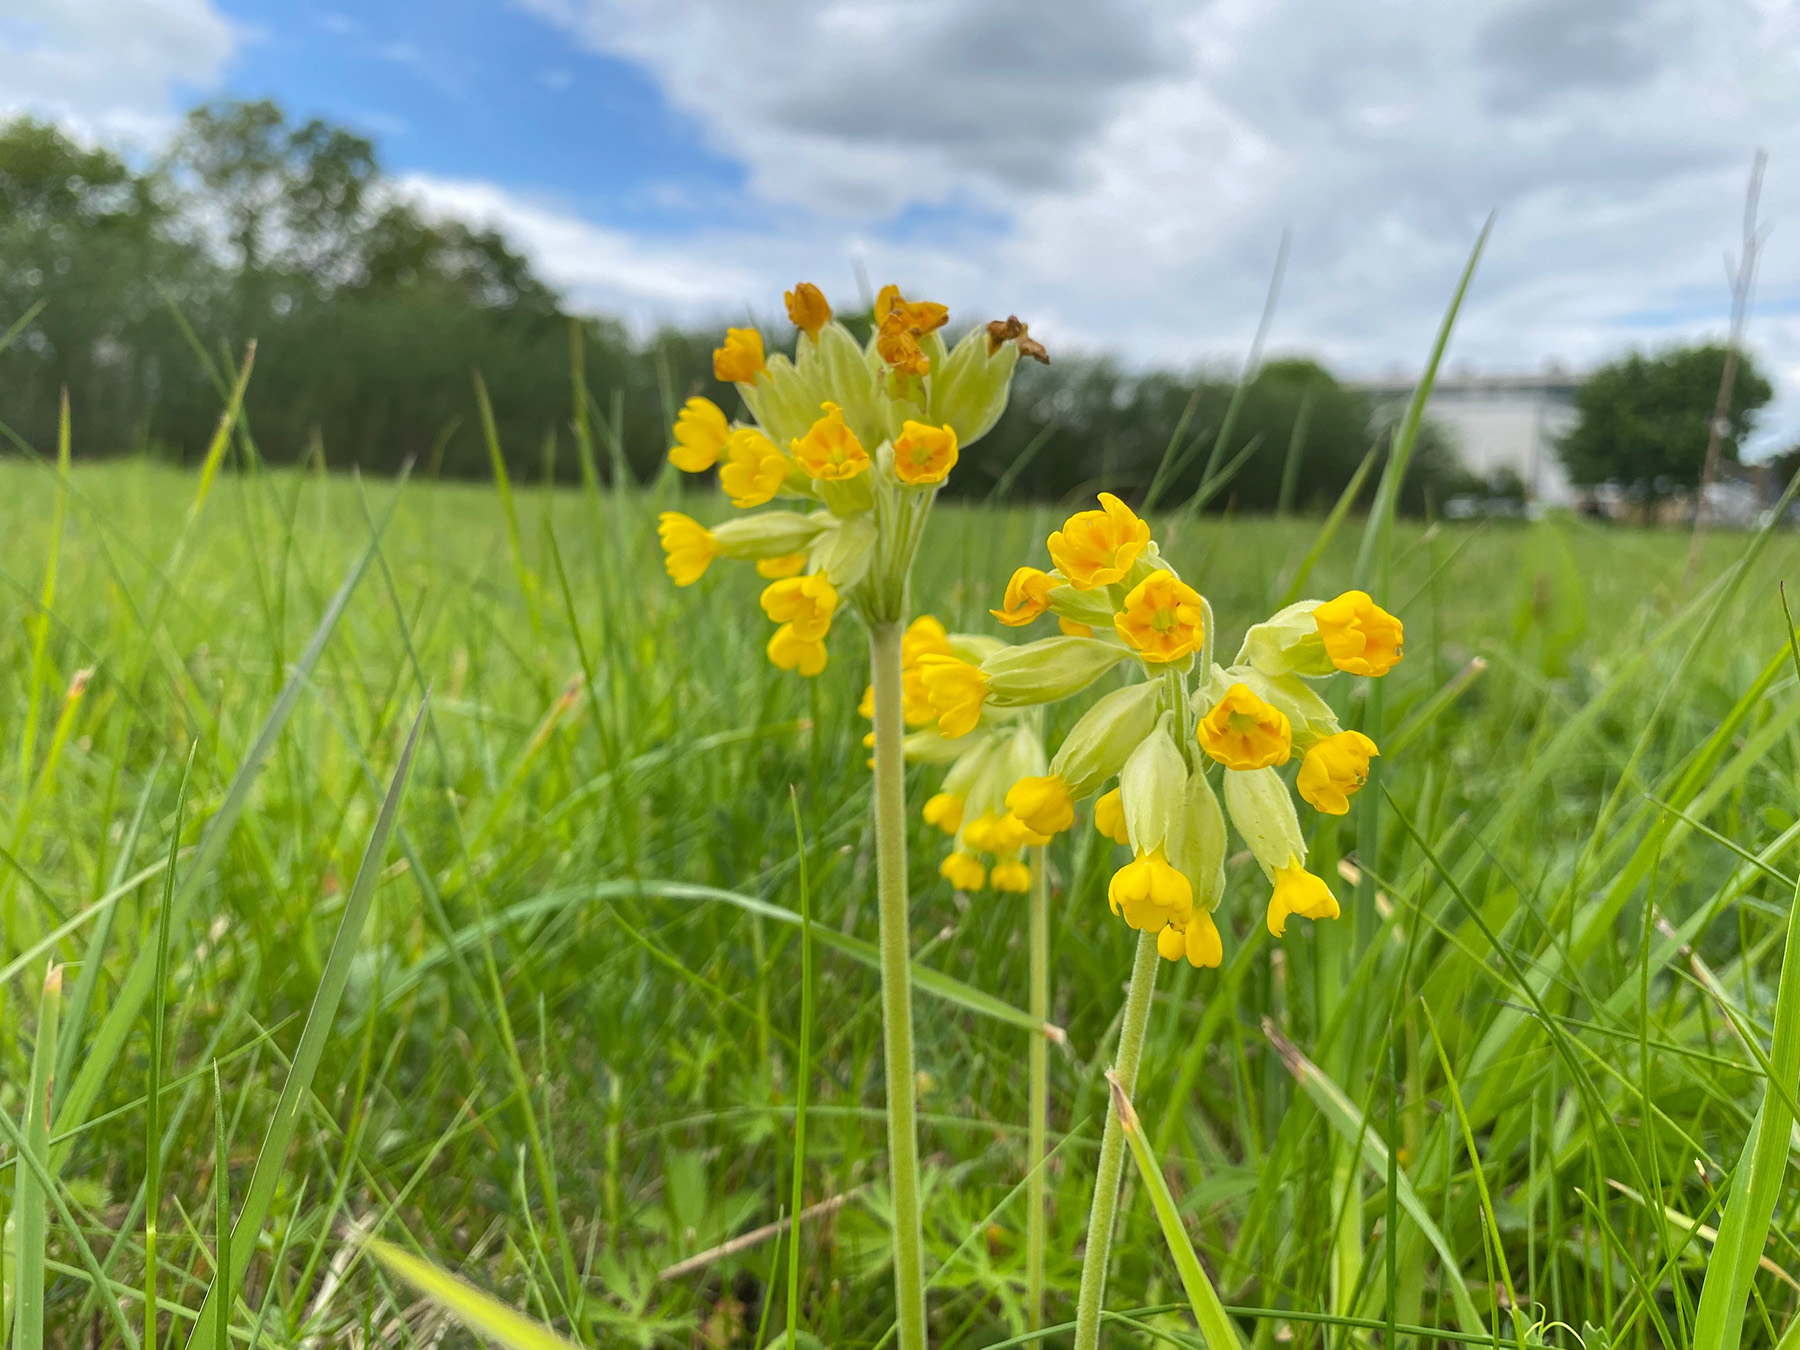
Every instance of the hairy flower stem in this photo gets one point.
(1112, 1149)
(1038, 1094)
(896, 983)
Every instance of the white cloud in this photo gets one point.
(1145, 157)
(109, 68)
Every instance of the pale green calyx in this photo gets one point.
(1047, 670)
(1098, 745)
(969, 386)
(1287, 643)
(1153, 791)
(771, 534)
(1264, 815)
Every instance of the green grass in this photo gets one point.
(549, 1072)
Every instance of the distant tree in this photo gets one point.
(1644, 420)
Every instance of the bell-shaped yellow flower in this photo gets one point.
(900, 324)
(963, 872)
(1243, 732)
(1360, 636)
(956, 691)
(1298, 891)
(700, 433)
(924, 454)
(1163, 619)
(788, 565)
(740, 360)
(805, 604)
(791, 651)
(807, 308)
(1010, 874)
(1027, 596)
(1197, 940)
(830, 450)
(944, 810)
(688, 547)
(1109, 817)
(1147, 893)
(1043, 803)
(1097, 548)
(754, 468)
(1333, 770)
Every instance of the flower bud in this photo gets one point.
(1097, 746)
(807, 308)
(969, 387)
(1153, 789)
(770, 534)
(1287, 643)
(1264, 815)
(1047, 670)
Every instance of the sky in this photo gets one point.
(1118, 172)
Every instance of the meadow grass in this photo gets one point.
(558, 1050)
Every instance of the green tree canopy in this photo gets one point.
(1644, 421)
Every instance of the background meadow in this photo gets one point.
(565, 1057)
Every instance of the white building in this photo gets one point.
(1501, 422)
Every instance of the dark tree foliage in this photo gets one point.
(371, 320)
(1644, 421)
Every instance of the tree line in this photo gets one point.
(142, 285)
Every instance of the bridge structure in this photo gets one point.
(1500, 422)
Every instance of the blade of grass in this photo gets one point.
(1216, 1327)
(271, 1158)
(31, 1195)
(802, 1071)
(153, 1101)
(481, 1313)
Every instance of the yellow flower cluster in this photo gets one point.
(864, 432)
(1162, 736)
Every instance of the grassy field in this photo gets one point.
(564, 1058)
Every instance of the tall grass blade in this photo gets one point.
(1216, 1327)
(153, 1123)
(802, 1073)
(481, 1313)
(30, 1195)
(271, 1159)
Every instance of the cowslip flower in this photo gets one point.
(1243, 732)
(1097, 548)
(1298, 891)
(1333, 770)
(1010, 874)
(700, 434)
(754, 468)
(924, 454)
(1043, 803)
(688, 547)
(803, 603)
(790, 649)
(808, 309)
(956, 690)
(830, 450)
(1147, 892)
(963, 871)
(740, 360)
(944, 810)
(1360, 636)
(788, 565)
(1162, 619)
(1195, 939)
(1027, 596)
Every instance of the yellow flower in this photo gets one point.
(1010, 875)
(922, 636)
(1097, 548)
(1333, 770)
(1147, 892)
(808, 308)
(740, 360)
(1298, 891)
(1109, 817)
(899, 326)
(866, 709)
(788, 565)
(1070, 628)
(956, 691)
(1360, 636)
(1243, 732)
(790, 651)
(1043, 804)
(830, 450)
(924, 453)
(1162, 619)
(1197, 940)
(804, 604)
(1027, 596)
(982, 835)
(945, 811)
(754, 468)
(963, 872)
(688, 545)
(1010, 834)
(700, 433)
